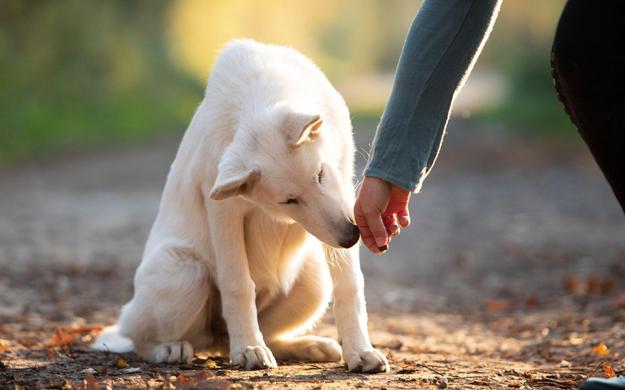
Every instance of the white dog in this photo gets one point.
(232, 263)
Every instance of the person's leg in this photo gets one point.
(588, 67)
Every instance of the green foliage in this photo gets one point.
(520, 49)
(77, 73)
(531, 104)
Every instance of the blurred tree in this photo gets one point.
(343, 36)
(520, 49)
(75, 73)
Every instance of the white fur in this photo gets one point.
(229, 267)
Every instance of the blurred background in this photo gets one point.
(77, 75)
(516, 252)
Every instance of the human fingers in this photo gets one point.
(365, 232)
(390, 222)
(403, 217)
(376, 226)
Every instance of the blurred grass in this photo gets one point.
(75, 75)
(520, 49)
(531, 108)
(531, 105)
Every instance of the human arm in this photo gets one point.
(441, 48)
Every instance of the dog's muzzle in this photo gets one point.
(350, 236)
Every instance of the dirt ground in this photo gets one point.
(510, 277)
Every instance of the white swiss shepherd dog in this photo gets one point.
(254, 233)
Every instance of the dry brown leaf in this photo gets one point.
(497, 304)
(531, 301)
(589, 285)
(601, 349)
(608, 370)
(66, 336)
(184, 381)
(62, 338)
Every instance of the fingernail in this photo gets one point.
(383, 248)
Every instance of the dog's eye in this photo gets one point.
(291, 201)
(320, 175)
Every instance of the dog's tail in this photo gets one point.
(110, 340)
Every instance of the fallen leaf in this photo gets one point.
(601, 349)
(185, 381)
(609, 371)
(589, 285)
(195, 381)
(66, 336)
(531, 301)
(121, 362)
(62, 337)
(497, 304)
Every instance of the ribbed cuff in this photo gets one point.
(394, 179)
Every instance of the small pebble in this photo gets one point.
(130, 370)
(89, 371)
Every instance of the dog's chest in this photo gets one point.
(275, 252)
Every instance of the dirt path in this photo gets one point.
(511, 275)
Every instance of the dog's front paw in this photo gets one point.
(368, 360)
(173, 352)
(256, 357)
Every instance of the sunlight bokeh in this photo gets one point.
(77, 74)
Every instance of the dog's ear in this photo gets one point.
(232, 181)
(302, 128)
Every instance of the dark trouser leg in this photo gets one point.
(588, 66)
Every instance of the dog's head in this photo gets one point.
(284, 163)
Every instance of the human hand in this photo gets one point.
(380, 209)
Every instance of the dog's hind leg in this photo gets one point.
(294, 313)
(307, 348)
(167, 317)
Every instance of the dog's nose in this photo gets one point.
(351, 236)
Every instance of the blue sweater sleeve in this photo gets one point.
(442, 45)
